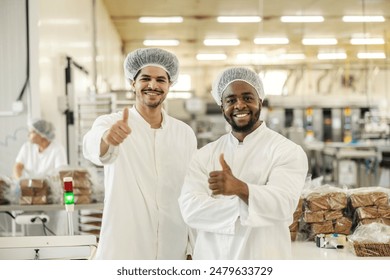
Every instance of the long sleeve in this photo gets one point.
(200, 209)
(92, 140)
(277, 200)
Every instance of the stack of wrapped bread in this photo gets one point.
(325, 211)
(370, 205)
(34, 191)
(4, 188)
(82, 185)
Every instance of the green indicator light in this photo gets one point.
(68, 198)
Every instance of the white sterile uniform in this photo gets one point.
(41, 164)
(143, 177)
(274, 168)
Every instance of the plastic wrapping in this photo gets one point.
(325, 211)
(88, 186)
(325, 197)
(369, 205)
(10, 190)
(374, 232)
(371, 240)
(34, 191)
(369, 196)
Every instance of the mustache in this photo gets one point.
(153, 90)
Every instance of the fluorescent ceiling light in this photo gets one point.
(251, 56)
(211, 56)
(221, 42)
(161, 42)
(378, 55)
(271, 41)
(292, 56)
(239, 19)
(339, 55)
(319, 41)
(363, 19)
(367, 41)
(302, 19)
(160, 19)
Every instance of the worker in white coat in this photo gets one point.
(145, 154)
(41, 156)
(241, 190)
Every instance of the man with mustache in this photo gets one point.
(145, 154)
(241, 190)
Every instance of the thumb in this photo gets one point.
(125, 115)
(225, 166)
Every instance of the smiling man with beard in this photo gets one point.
(145, 154)
(241, 190)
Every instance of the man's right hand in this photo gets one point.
(116, 134)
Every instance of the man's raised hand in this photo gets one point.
(119, 131)
(225, 183)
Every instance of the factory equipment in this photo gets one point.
(326, 119)
(47, 247)
(331, 131)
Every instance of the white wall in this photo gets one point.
(13, 75)
(66, 28)
(58, 28)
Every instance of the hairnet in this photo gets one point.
(236, 74)
(141, 58)
(43, 128)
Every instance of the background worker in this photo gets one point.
(41, 155)
(40, 158)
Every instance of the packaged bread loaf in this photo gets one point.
(384, 221)
(370, 196)
(320, 216)
(325, 198)
(324, 227)
(343, 225)
(373, 212)
(34, 191)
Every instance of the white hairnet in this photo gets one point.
(141, 58)
(43, 128)
(236, 74)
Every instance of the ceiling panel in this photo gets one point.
(200, 23)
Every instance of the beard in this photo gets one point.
(245, 128)
(149, 102)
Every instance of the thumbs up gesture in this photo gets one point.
(119, 131)
(225, 183)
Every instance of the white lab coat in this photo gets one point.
(274, 168)
(41, 164)
(143, 177)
